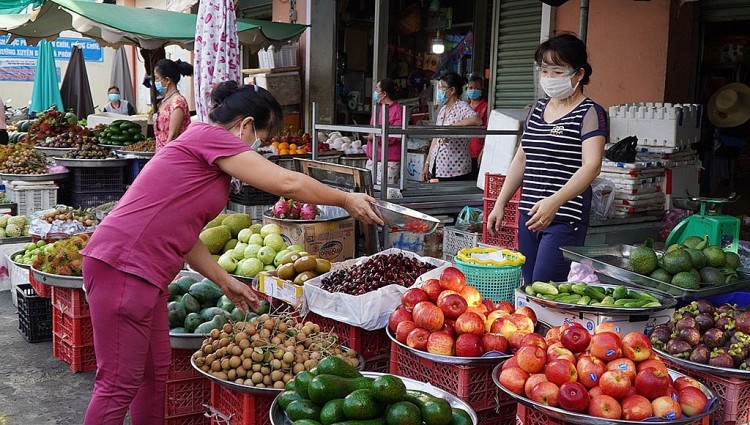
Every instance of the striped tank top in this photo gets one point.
(554, 153)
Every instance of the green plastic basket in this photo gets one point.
(493, 282)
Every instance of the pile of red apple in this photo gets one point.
(603, 375)
(448, 317)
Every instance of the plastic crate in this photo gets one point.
(192, 419)
(81, 358)
(367, 343)
(494, 283)
(493, 183)
(733, 394)
(97, 179)
(134, 167)
(249, 195)
(32, 198)
(380, 363)
(30, 304)
(181, 367)
(507, 238)
(187, 396)
(35, 329)
(230, 407)
(254, 211)
(284, 57)
(472, 384)
(44, 291)
(503, 414)
(72, 302)
(73, 330)
(510, 213)
(527, 416)
(94, 199)
(455, 239)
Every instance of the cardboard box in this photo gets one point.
(283, 290)
(284, 86)
(627, 323)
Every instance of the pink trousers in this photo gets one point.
(131, 341)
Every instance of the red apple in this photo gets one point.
(671, 392)
(535, 339)
(453, 305)
(452, 278)
(523, 323)
(623, 365)
(494, 342)
(604, 406)
(491, 316)
(399, 315)
(575, 339)
(412, 297)
(553, 335)
(531, 358)
(469, 345)
(441, 343)
(546, 393)
(514, 378)
(574, 397)
(511, 362)
(449, 328)
(608, 327)
(560, 371)
(428, 316)
(596, 391)
(651, 383)
(515, 340)
(532, 381)
(636, 346)
(433, 289)
(605, 346)
(692, 400)
(655, 363)
(472, 295)
(445, 292)
(403, 330)
(528, 312)
(615, 384)
(503, 326)
(552, 346)
(590, 370)
(636, 408)
(685, 381)
(666, 407)
(505, 306)
(489, 304)
(561, 353)
(570, 324)
(479, 309)
(417, 339)
(470, 323)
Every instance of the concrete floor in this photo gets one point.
(35, 388)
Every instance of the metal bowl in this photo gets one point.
(583, 419)
(278, 417)
(34, 177)
(686, 204)
(667, 301)
(23, 266)
(699, 367)
(60, 281)
(402, 219)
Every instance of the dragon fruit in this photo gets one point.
(281, 208)
(308, 212)
(294, 209)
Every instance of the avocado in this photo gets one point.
(699, 260)
(676, 261)
(302, 409)
(192, 321)
(362, 404)
(333, 412)
(403, 413)
(685, 280)
(661, 275)
(176, 313)
(388, 389)
(712, 276)
(731, 260)
(191, 304)
(715, 256)
(692, 242)
(643, 260)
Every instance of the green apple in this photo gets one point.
(266, 255)
(274, 241)
(244, 235)
(255, 238)
(249, 267)
(270, 228)
(252, 250)
(239, 251)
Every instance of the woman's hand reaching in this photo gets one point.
(361, 207)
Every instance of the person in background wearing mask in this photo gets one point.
(478, 104)
(560, 155)
(173, 116)
(3, 125)
(449, 158)
(117, 105)
(385, 94)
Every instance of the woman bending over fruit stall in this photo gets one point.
(143, 243)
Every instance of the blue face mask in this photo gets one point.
(160, 88)
(375, 96)
(114, 97)
(473, 94)
(441, 97)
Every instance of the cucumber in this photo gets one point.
(565, 288)
(620, 292)
(585, 300)
(529, 290)
(545, 288)
(608, 300)
(594, 293)
(579, 288)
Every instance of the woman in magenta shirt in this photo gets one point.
(385, 94)
(143, 243)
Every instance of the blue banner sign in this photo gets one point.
(62, 48)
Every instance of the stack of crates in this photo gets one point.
(31, 197)
(134, 167)
(73, 334)
(94, 186)
(508, 236)
(34, 314)
(529, 416)
(187, 392)
(231, 407)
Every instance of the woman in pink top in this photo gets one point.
(385, 94)
(479, 105)
(173, 116)
(143, 243)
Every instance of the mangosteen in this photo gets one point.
(700, 354)
(705, 306)
(724, 322)
(738, 356)
(688, 314)
(714, 338)
(661, 333)
(685, 323)
(705, 321)
(678, 347)
(742, 321)
(690, 335)
(721, 360)
(726, 308)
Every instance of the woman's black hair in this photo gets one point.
(173, 69)
(389, 87)
(565, 49)
(454, 80)
(232, 101)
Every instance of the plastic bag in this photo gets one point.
(469, 218)
(582, 272)
(603, 195)
(623, 151)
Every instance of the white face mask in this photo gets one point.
(558, 88)
(256, 143)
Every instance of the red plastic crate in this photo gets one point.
(187, 396)
(193, 419)
(44, 291)
(472, 384)
(380, 363)
(493, 183)
(181, 367)
(230, 407)
(70, 301)
(367, 343)
(81, 358)
(510, 212)
(73, 330)
(733, 394)
(504, 414)
(507, 238)
(527, 416)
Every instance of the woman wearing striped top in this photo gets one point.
(560, 155)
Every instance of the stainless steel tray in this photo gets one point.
(111, 146)
(278, 417)
(583, 419)
(23, 266)
(74, 282)
(541, 328)
(35, 177)
(20, 239)
(186, 341)
(402, 219)
(713, 370)
(138, 154)
(75, 162)
(666, 300)
(612, 260)
(52, 151)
